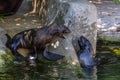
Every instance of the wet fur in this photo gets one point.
(84, 51)
(35, 39)
(85, 54)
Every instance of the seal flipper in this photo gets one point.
(85, 56)
(52, 56)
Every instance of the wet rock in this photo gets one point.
(2, 46)
(3, 40)
(109, 35)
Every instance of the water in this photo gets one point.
(45, 70)
(59, 70)
(109, 71)
(109, 66)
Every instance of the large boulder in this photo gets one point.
(80, 17)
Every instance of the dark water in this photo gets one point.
(109, 66)
(108, 69)
(108, 53)
(45, 70)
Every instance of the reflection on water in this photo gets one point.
(45, 70)
(109, 64)
(107, 69)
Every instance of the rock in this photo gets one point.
(110, 36)
(108, 21)
(80, 16)
(2, 46)
(3, 40)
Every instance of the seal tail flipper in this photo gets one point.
(9, 41)
(52, 56)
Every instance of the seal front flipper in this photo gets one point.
(52, 56)
(86, 54)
